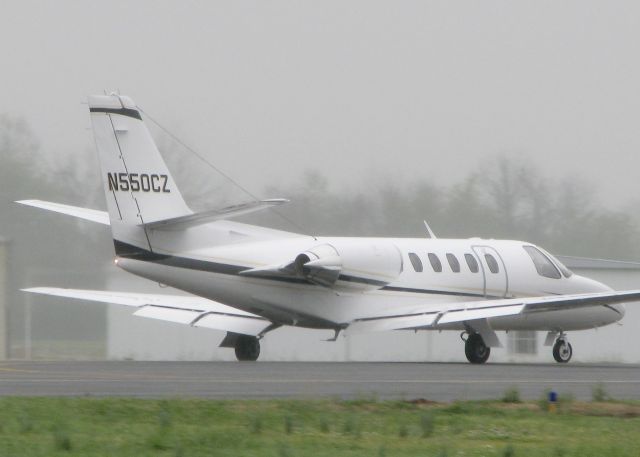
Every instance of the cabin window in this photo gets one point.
(492, 263)
(435, 262)
(472, 263)
(543, 265)
(416, 262)
(453, 263)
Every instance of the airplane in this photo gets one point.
(249, 280)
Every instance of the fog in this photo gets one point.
(496, 119)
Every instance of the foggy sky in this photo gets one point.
(360, 90)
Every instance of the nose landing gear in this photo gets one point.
(474, 348)
(562, 350)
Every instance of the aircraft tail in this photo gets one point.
(137, 184)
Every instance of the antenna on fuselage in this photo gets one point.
(431, 234)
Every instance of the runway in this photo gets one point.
(265, 380)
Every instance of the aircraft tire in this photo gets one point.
(247, 348)
(475, 349)
(562, 351)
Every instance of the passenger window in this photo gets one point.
(416, 262)
(472, 263)
(543, 265)
(492, 263)
(435, 262)
(453, 263)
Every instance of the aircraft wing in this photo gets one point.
(182, 309)
(586, 263)
(432, 315)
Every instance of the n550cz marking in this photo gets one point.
(136, 182)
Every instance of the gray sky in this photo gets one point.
(360, 90)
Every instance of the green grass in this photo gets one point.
(136, 427)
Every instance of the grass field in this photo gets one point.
(136, 427)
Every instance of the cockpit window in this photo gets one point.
(563, 268)
(543, 265)
(415, 261)
(565, 271)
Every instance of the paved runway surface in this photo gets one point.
(231, 380)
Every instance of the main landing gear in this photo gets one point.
(562, 350)
(474, 348)
(247, 348)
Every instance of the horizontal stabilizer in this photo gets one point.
(228, 212)
(93, 215)
(181, 309)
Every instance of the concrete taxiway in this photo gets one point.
(234, 380)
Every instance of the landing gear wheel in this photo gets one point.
(475, 349)
(562, 351)
(247, 348)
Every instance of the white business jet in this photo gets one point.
(249, 280)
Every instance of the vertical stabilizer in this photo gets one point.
(138, 186)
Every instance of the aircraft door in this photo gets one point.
(496, 279)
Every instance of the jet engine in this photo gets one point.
(350, 266)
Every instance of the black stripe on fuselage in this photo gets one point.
(435, 292)
(349, 278)
(129, 112)
(129, 251)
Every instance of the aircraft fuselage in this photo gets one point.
(455, 271)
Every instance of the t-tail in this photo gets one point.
(138, 187)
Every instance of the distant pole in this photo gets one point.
(4, 329)
(27, 327)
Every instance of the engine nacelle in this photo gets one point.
(355, 265)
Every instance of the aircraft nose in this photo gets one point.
(621, 309)
(591, 285)
(616, 312)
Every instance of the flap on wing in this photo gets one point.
(190, 220)
(480, 313)
(179, 316)
(392, 323)
(235, 324)
(93, 215)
